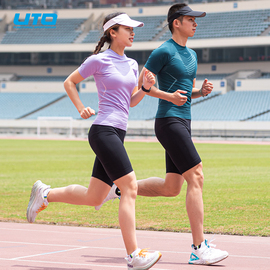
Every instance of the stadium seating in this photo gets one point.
(145, 110)
(230, 24)
(233, 106)
(226, 24)
(65, 108)
(152, 26)
(65, 31)
(263, 117)
(93, 36)
(202, 99)
(17, 105)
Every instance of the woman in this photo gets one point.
(116, 78)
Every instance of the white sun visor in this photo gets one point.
(122, 19)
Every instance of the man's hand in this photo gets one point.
(177, 98)
(207, 88)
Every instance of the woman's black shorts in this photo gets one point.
(175, 136)
(112, 161)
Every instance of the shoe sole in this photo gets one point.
(159, 256)
(148, 267)
(209, 263)
(32, 201)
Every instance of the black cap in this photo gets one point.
(186, 11)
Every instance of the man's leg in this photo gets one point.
(194, 202)
(155, 186)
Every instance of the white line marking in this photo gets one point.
(47, 253)
(80, 264)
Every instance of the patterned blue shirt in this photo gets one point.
(175, 67)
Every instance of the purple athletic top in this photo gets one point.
(116, 77)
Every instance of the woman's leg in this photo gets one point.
(128, 186)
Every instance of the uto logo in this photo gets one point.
(48, 20)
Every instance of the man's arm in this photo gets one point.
(176, 97)
(206, 89)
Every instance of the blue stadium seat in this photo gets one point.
(65, 31)
(233, 106)
(145, 110)
(16, 105)
(65, 107)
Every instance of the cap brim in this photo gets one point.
(122, 19)
(196, 14)
(132, 23)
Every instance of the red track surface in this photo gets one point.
(47, 247)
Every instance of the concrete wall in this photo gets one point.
(252, 85)
(30, 87)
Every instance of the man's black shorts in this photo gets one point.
(175, 136)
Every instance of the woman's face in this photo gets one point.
(124, 36)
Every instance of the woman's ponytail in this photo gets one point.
(101, 43)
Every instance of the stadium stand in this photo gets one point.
(245, 23)
(233, 106)
(262, 117)
(18, 105)
(65, 108)
(145, 110)
(244, 104)
(65, 31)
(93, 36)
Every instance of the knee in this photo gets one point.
(130, 189)
(197, 178)
(128, 186)
(171, 191)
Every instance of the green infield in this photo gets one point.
(236, 187)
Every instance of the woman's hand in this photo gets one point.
(87, 112)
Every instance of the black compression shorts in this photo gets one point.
(111, 161)
(175, 136)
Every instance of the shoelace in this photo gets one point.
(211, 245)
(143, 252)
(42, 207)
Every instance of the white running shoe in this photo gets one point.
(111, 196)
(37, 201)
(141, 259)
(206, 254)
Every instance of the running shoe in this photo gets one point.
(206, 254)
(141, 259)
(111, 196)
(37, 201)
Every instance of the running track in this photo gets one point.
(50, 247)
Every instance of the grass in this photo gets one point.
(236, 188)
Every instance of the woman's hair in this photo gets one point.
(172, 10)
(106, 35)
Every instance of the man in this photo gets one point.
(175, 66)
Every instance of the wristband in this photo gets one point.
(202, 93)
(146, 90)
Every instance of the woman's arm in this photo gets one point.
(70, 86)
(148, 82)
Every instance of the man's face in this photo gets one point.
(188, 26)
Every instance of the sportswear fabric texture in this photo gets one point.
(111, 161)
(175, 67)
(116, 77)
(175, 136)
